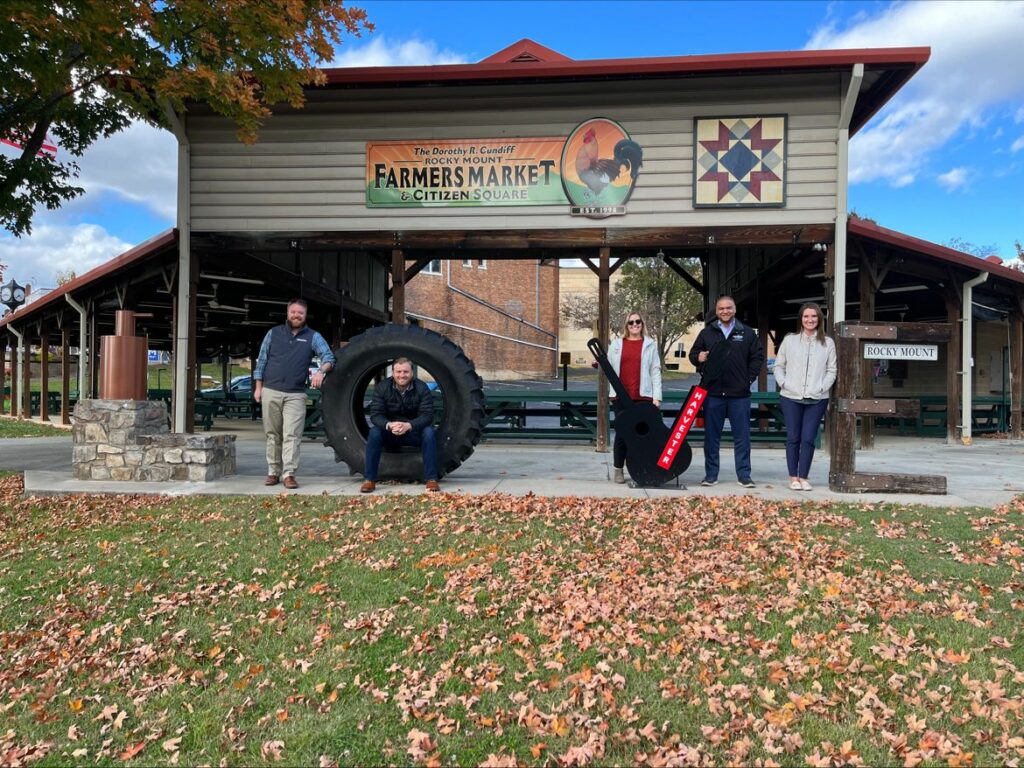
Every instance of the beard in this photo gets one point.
(295, 323)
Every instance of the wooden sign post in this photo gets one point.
(888, 338)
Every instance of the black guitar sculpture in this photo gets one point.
(655, 454)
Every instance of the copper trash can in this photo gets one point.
(123, 360)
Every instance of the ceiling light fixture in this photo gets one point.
(849, 271)
(903, 289)
(803, 300)
(231, 278)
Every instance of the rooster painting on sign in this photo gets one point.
(597, 172)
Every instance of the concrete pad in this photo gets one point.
(986, 474)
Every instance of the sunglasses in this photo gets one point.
(634, 322)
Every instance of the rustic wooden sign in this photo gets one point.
(848, 404)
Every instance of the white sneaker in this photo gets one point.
(805, 486)
(619, 477)
(794, 485)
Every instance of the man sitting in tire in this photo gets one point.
(402, 413)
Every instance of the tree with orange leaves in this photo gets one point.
(79, 70)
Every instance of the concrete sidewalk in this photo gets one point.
(989, 473)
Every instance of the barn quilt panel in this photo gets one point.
(739, 162)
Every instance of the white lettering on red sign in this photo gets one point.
(684, 421)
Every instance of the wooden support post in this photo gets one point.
(829, 284)
(1016, 361)
(763, 321)
(191, 367)
(952, 364)
(65, 374)
(94, 354)
(3, 372)
(842, 449)
(868, 290)
(15, 363)
(26, 381)
(398, 287)
(44, 376)
(603, 333)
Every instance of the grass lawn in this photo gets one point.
(16, 428)
(465, 630)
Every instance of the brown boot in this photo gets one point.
(368, 486)
(432, 486)
(290, 482)
(272, 480)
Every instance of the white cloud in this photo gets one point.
(139, 165)
(953, 178)
(974, 68)
(1018, 145)
(51, 248)
(1018, 116)
(382, 52)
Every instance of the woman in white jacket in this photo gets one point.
(805, 370)
(634, 357)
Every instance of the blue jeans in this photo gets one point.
(737, 409)
(802, 422)
(378, 440)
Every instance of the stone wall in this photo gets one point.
(129, 440)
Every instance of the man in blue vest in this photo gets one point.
(280, 375)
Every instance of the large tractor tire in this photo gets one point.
(345, 399)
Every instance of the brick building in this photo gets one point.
(504, 314)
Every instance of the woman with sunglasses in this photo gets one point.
(634, 357)
(805, 370)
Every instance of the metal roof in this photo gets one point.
(886, 69)
(153, 246)
(891, 237)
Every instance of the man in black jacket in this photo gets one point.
(402, 413)
(728, 355)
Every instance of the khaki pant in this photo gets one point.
(284, 416)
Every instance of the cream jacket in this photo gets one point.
(650, 367)
(804, 367)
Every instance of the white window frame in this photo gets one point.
(430, 268)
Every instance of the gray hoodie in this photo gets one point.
(804, 367)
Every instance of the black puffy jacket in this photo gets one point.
(415, 405)
(733, 364)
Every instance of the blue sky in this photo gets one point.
(945, 158)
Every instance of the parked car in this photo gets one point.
(239, 388)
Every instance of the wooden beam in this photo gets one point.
(398, 287)
(868, 289)
(3, 371)
(861, 482)
(526, 240)
(603, 333)
(191, 364)
(885, 407)
(15, 361)
(678, 268)
(44, 376)
(26, 381)
(1016, 363)
(842, 450)
(906, 332)
(65, 374)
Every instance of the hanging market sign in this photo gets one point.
(464, 172)
(929, 352)
(593, 170)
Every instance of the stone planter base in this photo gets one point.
(129, 440)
